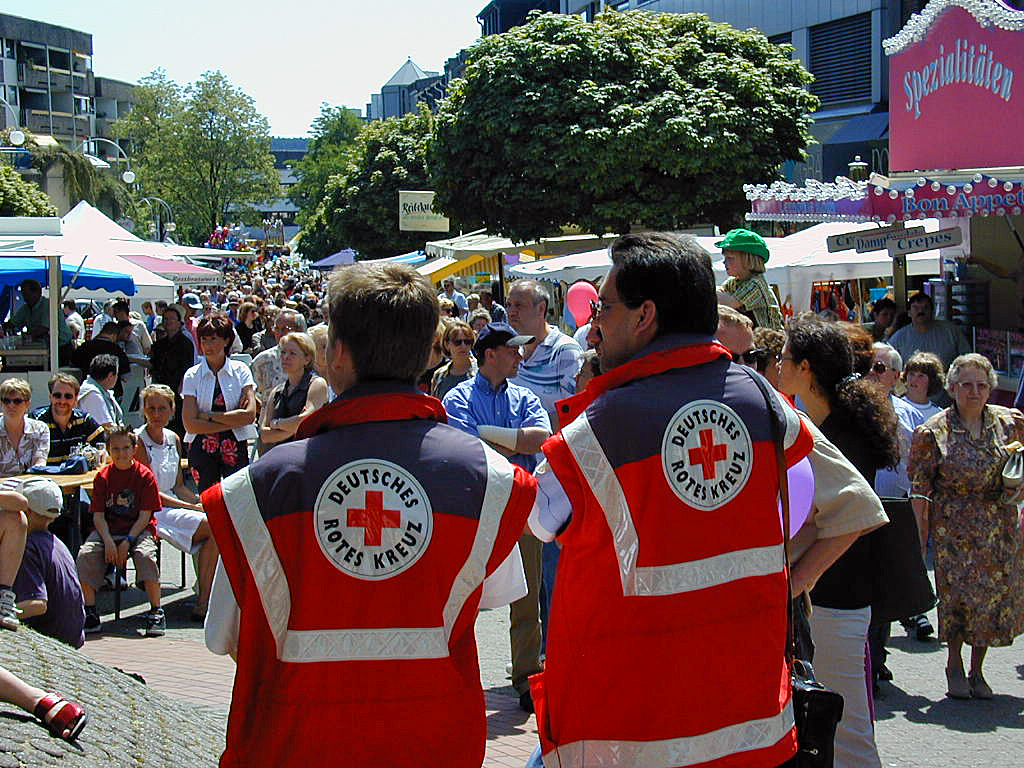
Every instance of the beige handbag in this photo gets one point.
(1013, 470)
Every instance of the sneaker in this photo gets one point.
(923, 627)
(92, 620)
(8, 611)
(156, 625)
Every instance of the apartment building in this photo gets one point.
(47, 82)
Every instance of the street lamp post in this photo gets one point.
(17, 136)
(160, 227)
(128, 177)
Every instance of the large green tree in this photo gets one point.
(204, 148)
(22, 198)
(360, 206)
(634, 119)
(332, 136)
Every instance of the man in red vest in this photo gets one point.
(666, 644)
(355, 559)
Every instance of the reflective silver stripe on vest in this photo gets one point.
(314, 645)
(265, 565)
(669, 579)
(668, 753)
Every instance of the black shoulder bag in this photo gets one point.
(816, 709)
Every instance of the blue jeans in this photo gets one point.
(535, 760)
(549, 566)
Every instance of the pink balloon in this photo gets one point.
(578, 299)
(801, 495)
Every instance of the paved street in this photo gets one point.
(918, 727)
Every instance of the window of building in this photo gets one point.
(840, 59)
(786, 38)
(6, 48)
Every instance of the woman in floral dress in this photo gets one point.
(218, 406)
(956, 463)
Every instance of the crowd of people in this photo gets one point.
(539, 458)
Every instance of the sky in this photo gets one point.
(289, 56)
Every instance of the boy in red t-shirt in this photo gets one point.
(125, 496)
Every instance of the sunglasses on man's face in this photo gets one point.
(879, 367)
(13, 400)
(62, 395)
(751, 357)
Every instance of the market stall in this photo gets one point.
(955, 156)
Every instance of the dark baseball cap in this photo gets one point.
(499, 335)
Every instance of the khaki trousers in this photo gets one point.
(524, 632)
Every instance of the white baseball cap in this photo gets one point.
(43, 496)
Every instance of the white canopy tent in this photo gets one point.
(796, 262)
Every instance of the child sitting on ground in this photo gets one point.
(125, 496)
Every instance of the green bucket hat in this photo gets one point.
(745, 240)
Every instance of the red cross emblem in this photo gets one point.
(707, 454)
(374, 518)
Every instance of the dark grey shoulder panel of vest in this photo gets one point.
(448, 463)
(629, 421)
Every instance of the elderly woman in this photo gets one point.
(457, 343)
(181, 520)
(956, 465)
(298, 395)
(218, 405)
(24, 442)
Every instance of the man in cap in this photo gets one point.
(48, 592)
(513, 421)
(745, 254)
(362, 508)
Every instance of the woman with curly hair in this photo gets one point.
(817, 364)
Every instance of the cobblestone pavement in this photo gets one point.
(918, 726)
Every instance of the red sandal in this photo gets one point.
(64, 718)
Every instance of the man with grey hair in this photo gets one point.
(549, 368)
(266, 367)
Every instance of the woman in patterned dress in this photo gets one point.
(956, 463)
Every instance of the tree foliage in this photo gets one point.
(204, 148)
(360, 205)
(333, 134)
(633, 119)
(22, 198)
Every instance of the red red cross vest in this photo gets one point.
(668, 621)
(356, 557)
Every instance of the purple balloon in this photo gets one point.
(801, 495)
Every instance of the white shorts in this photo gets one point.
(178, 526)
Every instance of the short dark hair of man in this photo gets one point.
(674, 272)
(121, 306)
(386, 315)
(109, 329)
(216, 324)
(69, 304)
(883, 304)
(102, 366)
(921, 296)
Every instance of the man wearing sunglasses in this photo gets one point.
(661, 488)
(69, 426)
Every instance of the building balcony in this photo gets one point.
(32, 76)
(52, 123)
(59, 82)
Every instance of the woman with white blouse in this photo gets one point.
(218, 406)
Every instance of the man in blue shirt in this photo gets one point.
(512, 420)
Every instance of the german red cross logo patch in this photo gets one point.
(707, 454)
(372, 519)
